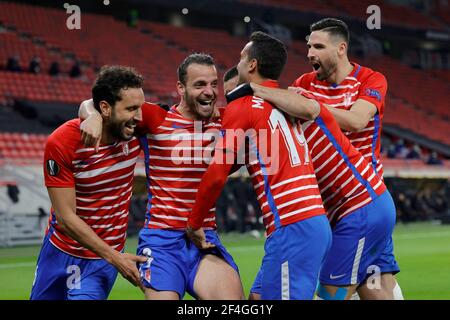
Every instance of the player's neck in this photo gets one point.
(343, 70)
(107, 138)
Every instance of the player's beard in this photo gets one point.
(117, 128)
(195, 107)
(327, 68)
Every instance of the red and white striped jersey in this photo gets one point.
(279, 162)
(103, 184)
(362, 83)
(177, 153)
(347, 181)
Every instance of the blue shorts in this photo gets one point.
(293, 257)
(362, 244)
(173, 260)
(60, 276)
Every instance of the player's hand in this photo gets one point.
(298, 90)
(198, 238)
(126, 265)
(91, 131)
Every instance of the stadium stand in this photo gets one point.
(31, 105)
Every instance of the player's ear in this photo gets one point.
(342, 48)
(180, 88)
(105, 108)
(252, 66)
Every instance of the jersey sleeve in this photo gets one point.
(58, 168)
(152, 117)
(374, 89)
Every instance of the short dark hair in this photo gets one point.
(333, 26)
(198, 58)
(270, 53)
(230, 73)
(109, 82)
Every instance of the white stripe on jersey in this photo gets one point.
(281, 206)
(292, 191)
(181, 148)
(322, 152)
(93, 149)
(175, 199)
(364, 147)
(362, 130)
(179, 120)
(112, 156)
(361, 139)
(295, 212)
(170, 207)
(173, 189)
(105, 198)
(162, 216)
(114, 167)
(325, 163)
(109, 227)
(104, 181)
(188, 159)
(177, 168)
(208, 136)
(348, 86)
(122, 214)
(123, 235)
(105, 189)
(105, 207)
(312, 134)
(281, 183)
(176, 179)
(332, 97)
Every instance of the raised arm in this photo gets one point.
(290, 102)
(64, 204)
(357, 117)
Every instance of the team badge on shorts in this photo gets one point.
(52, 168)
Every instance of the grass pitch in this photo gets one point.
(422, 251)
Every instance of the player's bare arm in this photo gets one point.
(357, 117)
(91, 125)
(64, 203)
(292, 103)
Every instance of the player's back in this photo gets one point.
(347, 181)
(102, 180)
(279, 163)
(362, 83)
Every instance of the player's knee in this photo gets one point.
(325, 293)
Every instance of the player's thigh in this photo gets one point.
(216, 265)
(151, 294)
(97, 278)
(217, 280)
(378, 289)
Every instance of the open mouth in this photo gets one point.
(316, 66)
(206, 104)
(129, 128)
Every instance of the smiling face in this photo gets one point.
(199, 94)
(324, 52)
(125, 114)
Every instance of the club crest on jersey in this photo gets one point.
(347, 99)
(373, 93)
(52, 168)
(125, 148)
